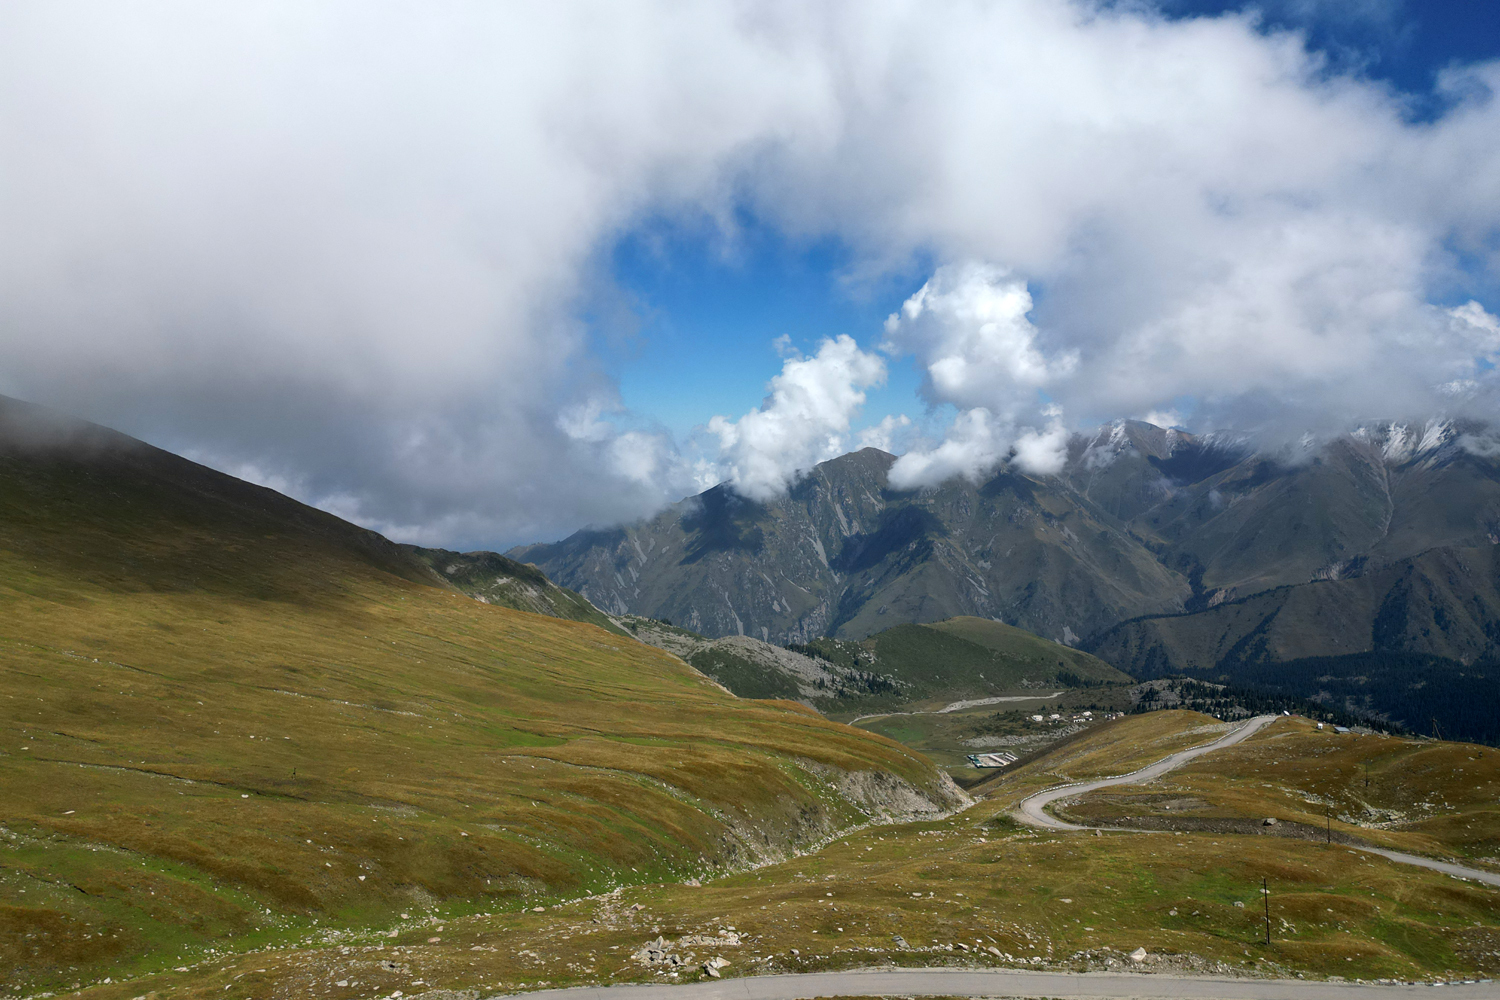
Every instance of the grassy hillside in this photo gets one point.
(1025, 654)
(905, 667)
(232, 721)
(973, 890)
(1425, 797)
(961, 659)
(496, 579)
(754, 669)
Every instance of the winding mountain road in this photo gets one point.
(1032, 810)
(1015, 983)
(1061, 985)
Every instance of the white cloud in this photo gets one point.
(1042, 452)
(348, 245)
(973, 446)
(968, 326)
(888, 435)
(1478, 328)
(1163, 418)
(805, 419)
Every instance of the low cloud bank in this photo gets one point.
(352, 247)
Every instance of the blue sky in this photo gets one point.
(711, 311)
(1399, 41)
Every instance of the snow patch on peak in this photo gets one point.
(1404, 442)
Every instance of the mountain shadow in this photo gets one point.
(722, 521)
(898, 528)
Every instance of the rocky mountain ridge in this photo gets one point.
(843, 555)
(1389, 525)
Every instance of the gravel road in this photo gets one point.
(1016, 983)
(1033, 810)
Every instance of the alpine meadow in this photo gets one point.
(749, 500)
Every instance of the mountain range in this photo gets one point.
(1158, 550)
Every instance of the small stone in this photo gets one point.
(1269, 821)
(1239, 904)
(1138, 956)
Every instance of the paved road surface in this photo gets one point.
(1015, 983)
(1033, 809)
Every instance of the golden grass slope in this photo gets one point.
(941, 892)
(227, 719)
(1426, 797)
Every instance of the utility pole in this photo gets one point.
(1265, 893)
(1329, 817)
(1367, 774)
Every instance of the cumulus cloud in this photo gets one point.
(1477, 328)
(1043, 452)
(969, 328)
(805, 419)
(973, 446)
(350, 245)
(889, 435)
